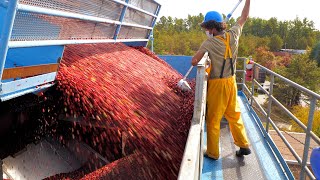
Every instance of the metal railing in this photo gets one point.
(267, 114)
(191, 166)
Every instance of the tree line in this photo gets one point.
(184, 36)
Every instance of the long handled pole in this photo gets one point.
(230, 14)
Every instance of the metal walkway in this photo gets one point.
(260, 164)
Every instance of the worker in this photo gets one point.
(222, 46)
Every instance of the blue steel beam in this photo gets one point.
(123, 13)
(6, 34)
(155, 18)
(270, 142)
(150, 35)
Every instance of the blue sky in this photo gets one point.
(281, 9)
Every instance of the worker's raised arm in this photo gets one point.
(245, 14)
(196, 58)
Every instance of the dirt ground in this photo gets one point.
(296, 169)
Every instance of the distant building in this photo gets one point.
(294, 51)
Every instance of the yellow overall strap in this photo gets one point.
(227, 53)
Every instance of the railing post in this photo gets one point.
(308, 135)
(150, 35)
(252, 88)
(123, 13)
(270, 102)
(244, 75)
(6, 34)
(152, 41)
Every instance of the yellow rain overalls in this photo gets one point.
(222, 101)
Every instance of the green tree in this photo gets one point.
(178, 36)
(315, 53)
(271, 27)
(249, 43)
(296, 34)
(194, 21)
(283, 32)
(179, 25)
(301, 70)
(275, 42)
(302, 113)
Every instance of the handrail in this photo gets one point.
(311, 93)
(20, 44)
(307, 128)
(59, 13)
(191, 165)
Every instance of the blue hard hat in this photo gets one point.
(213, 15)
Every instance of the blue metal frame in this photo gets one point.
(150, 35)
(154, 20)
(6, 34)
(123, 13)
(268, 138)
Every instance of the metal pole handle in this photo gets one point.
(185, 77)
(230, 14)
